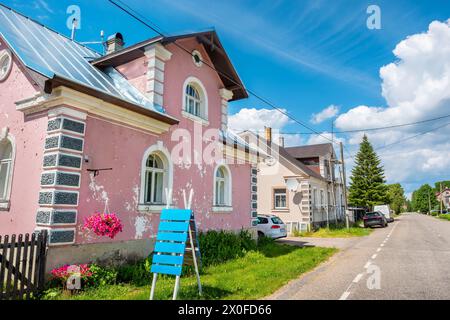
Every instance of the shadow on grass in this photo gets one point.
(296, 243)
(209, 293)
(274, 250)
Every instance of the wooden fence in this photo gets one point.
(22, 265)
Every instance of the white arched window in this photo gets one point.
(222, 187)
(156, 177)
(154, 180)
(6, 159)
(195, 100)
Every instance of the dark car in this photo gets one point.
(376, 218)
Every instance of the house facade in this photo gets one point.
(129, 132)
(444, 197)
(298, 184)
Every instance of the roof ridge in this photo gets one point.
(48, 28)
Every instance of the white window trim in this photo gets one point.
(6, 52)
(5, 203)
(203, 96)
(275, 201)
(196, 52)
(157, 148)
(228, 190)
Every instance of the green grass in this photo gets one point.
(445, 217)
(253, 276)
(336, 232)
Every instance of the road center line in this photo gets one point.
(367, 264)
(382, 245)
(374, 256)
(358, 277)
(379, 249)
(344, 295)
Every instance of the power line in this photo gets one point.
(376, 128)
(411, 137)
(130, 11)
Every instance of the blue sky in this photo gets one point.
(301, 55)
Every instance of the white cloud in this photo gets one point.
(327, 113)
(256, 119)
(416, 87)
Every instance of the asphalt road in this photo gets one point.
(410, 259)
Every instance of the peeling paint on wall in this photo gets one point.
(141, 225)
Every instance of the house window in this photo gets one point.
(195, 100)
(322, 200)
(197, 58)
(5, 64)
(280, 199)
(6, 153)
(314, 199)
(154, 180)
(192, 100)
(222, 187)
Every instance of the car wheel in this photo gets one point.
(260, 234)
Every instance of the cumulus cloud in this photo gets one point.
(327, 113)
(416, 87)
(257, 119)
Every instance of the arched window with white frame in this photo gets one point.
(6, 167)
(222, 187)
(154, 180)
(156, 176)
(195, 99)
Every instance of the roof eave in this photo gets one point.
(57, 81)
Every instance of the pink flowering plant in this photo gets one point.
(62, 274)
(104, 224)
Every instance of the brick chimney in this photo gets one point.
(114, 43)
(268, 135)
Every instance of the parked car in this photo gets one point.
(271, 226)
(375, 218)
(384, 209)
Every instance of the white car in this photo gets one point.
(271, 226)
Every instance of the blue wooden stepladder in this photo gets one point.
(176, 240)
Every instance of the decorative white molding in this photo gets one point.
(64, 111)
(226, 94)
(220, 209)
(89, 104)
(192, 117)
(158, 51)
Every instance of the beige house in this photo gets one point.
(298, 184)
(444, 197)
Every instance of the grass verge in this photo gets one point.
(337, 232)
(255, 275)
(444, 217)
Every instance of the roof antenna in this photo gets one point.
(74, 27)
(102, 42)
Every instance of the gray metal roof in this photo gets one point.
(309, 151)
(54, 55)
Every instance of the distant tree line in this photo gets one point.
(424, 199)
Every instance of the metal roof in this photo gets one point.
(56, 56)
(309, 151)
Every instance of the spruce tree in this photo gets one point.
(367, 183)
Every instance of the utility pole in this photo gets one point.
(429, 203)
(344, 181)
(440, 196)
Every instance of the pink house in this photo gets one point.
(82, 133)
